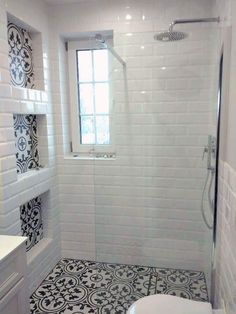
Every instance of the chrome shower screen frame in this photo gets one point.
(99, 38)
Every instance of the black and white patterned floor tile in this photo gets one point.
(83, 287)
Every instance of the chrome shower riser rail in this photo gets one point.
(189, 21)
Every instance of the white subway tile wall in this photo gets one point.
(17, 190)
(148, 199)
(225, 288)
(143, 207)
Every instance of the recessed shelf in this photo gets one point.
(31, 221)
(21, 93)
(25, 55)
(20, 56)
(34, 173)
(26, 142)
(24, 100)
(31, 142)
(35, 182)
(34, 224)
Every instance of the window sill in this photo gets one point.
(33, 173)
(96, 156)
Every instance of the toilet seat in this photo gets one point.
(168, 304)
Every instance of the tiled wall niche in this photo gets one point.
(31, 221)
(30, 141)
(20, 56)
(35, 221)
(26, 141)
(25, 55)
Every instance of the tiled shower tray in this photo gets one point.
(76, 286)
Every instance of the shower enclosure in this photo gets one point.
(154, 197)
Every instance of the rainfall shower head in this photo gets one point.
(170, 36)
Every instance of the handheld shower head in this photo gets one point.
(99, 38)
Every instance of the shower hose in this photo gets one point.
(211, 174)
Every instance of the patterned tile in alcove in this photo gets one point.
(27, 156)
(20, 57)
(31, 222)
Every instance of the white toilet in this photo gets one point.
(168, 304)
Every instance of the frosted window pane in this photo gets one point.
(100, 65)
(102, 129)
(85, 67)
(87, 130)
(86, 98)
(102, 98)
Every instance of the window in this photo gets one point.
(90, 97)
(93, 89)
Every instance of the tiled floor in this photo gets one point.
(82, 287)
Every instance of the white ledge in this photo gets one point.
(38, 249)
(31, 173)
(9, 244)
(87, 157)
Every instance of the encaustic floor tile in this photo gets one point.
(75, 286)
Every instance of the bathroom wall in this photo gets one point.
(225, 281)
(81, 181)
(18, 213)
(143, 207)
(225, 288)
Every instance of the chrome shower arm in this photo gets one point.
(189, 21)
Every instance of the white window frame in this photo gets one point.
(77, 147)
